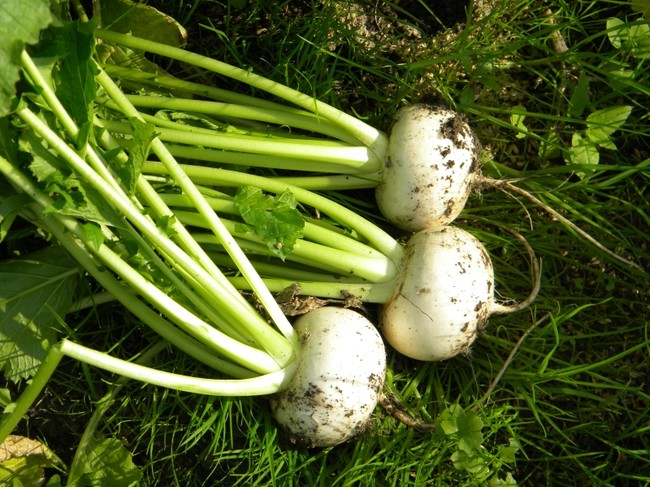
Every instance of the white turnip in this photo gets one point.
(427, 178)
(340, 375)
(444, 295)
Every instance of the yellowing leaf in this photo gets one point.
(23, 460)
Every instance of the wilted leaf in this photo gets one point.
(23, 460)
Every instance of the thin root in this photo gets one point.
(536, 274)
(507, 187)
(395, 409)
(506, 364)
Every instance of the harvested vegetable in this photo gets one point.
(427, 177)
(338, 381)
(443, 297)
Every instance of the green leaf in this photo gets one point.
(130, 169)
(580, 97)
(9, 208)
(446, 420)
(140, 20)
(104, 463)
(616, 32)
(74, 76)
(274, 219)
(464, 461)
(509, 481)
(5, 397)
(469, 433)
(72, 196)
(20, 24)
(93, 235)
(143, 21)
(583, 151)
(508, 453)
(34, 291)
(603, 123)
(517, 118)
(631, 38)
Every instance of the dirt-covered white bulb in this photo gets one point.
(444, 295)
(427, 176)
(339, 377)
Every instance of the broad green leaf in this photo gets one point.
(550, 146)
(5, 397)
(468, 462)
(639, 40)
(582, 151)
(508, 453)
(603, 123)
(74, 75)
(274, 219)
(34, 290)
(631, 38)
(104, 463)
(446, 420)
(141, 20)
(509, 481)
(93, 235)
(616, 32)
(469, 433)
(20, 24)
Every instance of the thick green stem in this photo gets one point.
(256, 324)
(230, 111)
(176, 85)
(256, 386)
(376, 237)
(367, 135)
(367, 292)
(67, 232)
(341, 155)
(238, 309)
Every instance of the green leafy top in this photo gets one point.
(274, 219)
(20, 24)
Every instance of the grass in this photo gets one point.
(572, 406)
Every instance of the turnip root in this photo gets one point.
(427, 178)
(339, 377)
(444, 295)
